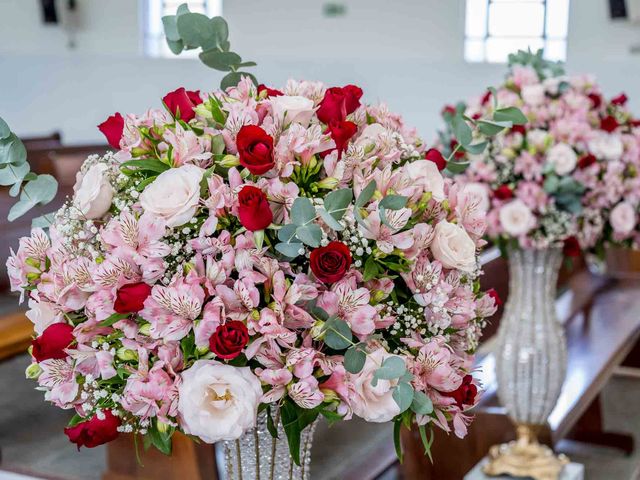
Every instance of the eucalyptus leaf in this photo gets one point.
(421, 404)
(291, 250)
(43, 221)
(393, 202)
(476, 148)
(195, 29)
(510, 114)
(221, 29)
(457, 167)
(287, 233)
(182, 9)
(330, 221)
(302, 211)
(5, 131)
(551, 184)
(392, 367)
(233, 78)
(12, 150)
(403, 395)
(14, 191)
(310, 234)
(354, 359)
(491, 128)
(337, 202)
(169, 22)
(366, 194)
(175, 47)
(338, 334)
(223, 61)
(11, 174)
(36, 192)
(461, 130)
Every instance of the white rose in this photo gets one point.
(537, 138)
(218, 401)
(516, 218)
(42, 315)
(607, 146)
(373, 404)
(563, 158)
(174, 195)
(453, 247)
(533, 94)
(293, 109)
(480, 193)
(93, 192)
(425, 174)
(623, 218)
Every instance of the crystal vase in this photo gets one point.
(258, 456)
(531, 362)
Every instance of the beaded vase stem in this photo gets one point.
(258, 456)
(531, 362)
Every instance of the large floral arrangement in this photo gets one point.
(568, 177)
(253, 250)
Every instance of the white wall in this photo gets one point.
(405, 52)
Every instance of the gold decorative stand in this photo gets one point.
(525, 457)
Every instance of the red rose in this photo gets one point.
(496, 298)
(229, 339)
(586, 161)
(52, 342)
(465, 394)
(620, 99)
(448, 110)
(329, 264)
(338, 102)
(94, 431)
(181, 103)
(571, 247)
(596, 100)
(459, 153)
(609, 123)
(130, 298)
(436, 157)
(255, 147)
(519, 129)
(271, 92)
(253, 209)
(112, 128)
(341, 132)
(503, 192)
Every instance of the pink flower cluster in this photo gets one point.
(569, 177)
(256, 248)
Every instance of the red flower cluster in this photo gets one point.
(253, 208)
(94, 432)
(52, 343)
(229, 339)
(338, 102)
(329, 264)
(112, 129)
(503, 192)
(434, 155)
(255, 148)
(271, 92)
(465, 394)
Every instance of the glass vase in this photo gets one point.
(258, 456)
(531, 362)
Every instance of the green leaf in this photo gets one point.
(75, 420)
(12, 150)
(175, 47)
(490, 128)
(291, 250)
(196, 30)
(43, 221)
(113, 318)
(330, 221)
(270, 425)
(457, 167)
(366, 194)
(426, 443)
(5, 131)
(421, 404)
(551, 184)
(337, 202)
(354, 359)
(294, 420)
(393, 367)
(393, 202)
(476, 148)
(221, 30)
(510, 114)
(169, 22)
(287, 233)
(332, 417)
(310, 234)
(302, 211)
(403, 395)
(397, 425)
(232, 79)
(461, 130)
(223, 61)
(37, 192)
(160, 440)
(371, 269)
(150, 164)
(12, 174)
(338, 334)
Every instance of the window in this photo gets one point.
(154, 43)
(496, 28)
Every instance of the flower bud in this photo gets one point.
(32, 276)
(329, 395)
(33, 371)
(126, 354)
(162, 426)
(203, 112)
(328, 183)
(138, 152)
(377, 296)
(33, 262)
(203, 350)
(255, 314)
(317, 331)
(145, 329)
(229, 161)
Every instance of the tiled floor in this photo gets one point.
(31, 435)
